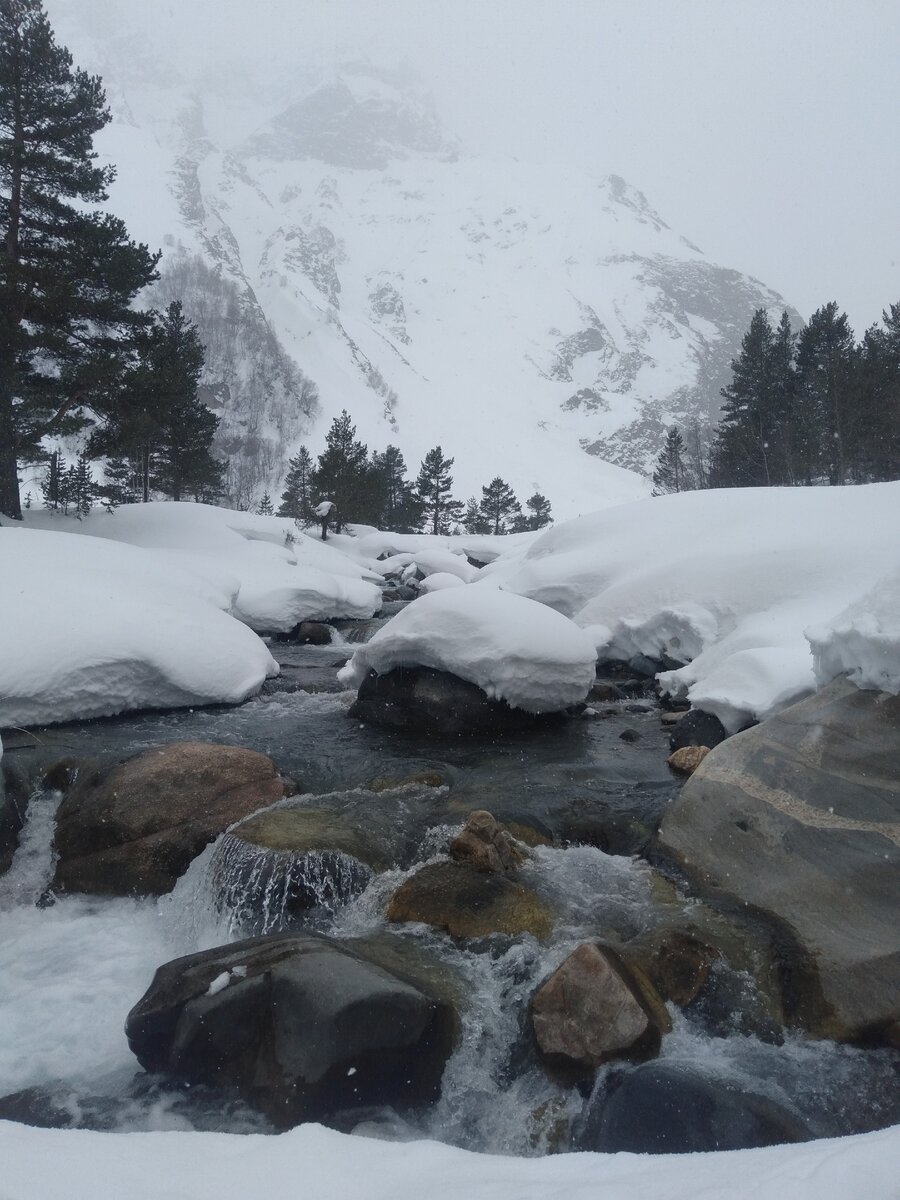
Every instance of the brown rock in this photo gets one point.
(676, 962)
(484, 845)
(469, 903)
(687, 759)
(135, 826)
(388, 783)
(592, 1009)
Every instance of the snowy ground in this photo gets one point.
(762, 593)
(731, 582)
(318, 1163)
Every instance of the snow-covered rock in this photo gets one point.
(513, 649)
(89, 628)
(727, 582)
(440, 581)
(863, 640)
(279, 575)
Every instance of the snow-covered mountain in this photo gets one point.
(338, 250)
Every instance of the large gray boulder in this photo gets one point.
(302, 1026)
(799, 819)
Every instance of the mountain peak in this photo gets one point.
(361, 117)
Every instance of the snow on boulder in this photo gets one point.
(439, 581)
(511, 647)
(863, 641)
(278, 574)
(90, 628)
(727, 581)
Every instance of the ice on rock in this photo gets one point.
(513, 648)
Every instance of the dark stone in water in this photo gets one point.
(671, 1108)
(697, 728)
(299, 1024)
(422, 700)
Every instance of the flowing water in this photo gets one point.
(71, 968)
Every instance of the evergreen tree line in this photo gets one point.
(801, 409)
(373, 489)
(75, 353)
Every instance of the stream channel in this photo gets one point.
(594, 786)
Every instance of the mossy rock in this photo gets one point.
(469, 903)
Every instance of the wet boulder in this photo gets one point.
(468, 903)
(485, 845)
(423, 700)
(272, 868)
(300, 1025)
(595, 1008)
(697, 728)
(311, 633)
(798, 821)
(672, 1108)
(134, 827)
(687, 759)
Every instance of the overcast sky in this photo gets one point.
(766, 132)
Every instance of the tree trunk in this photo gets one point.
(10, 505)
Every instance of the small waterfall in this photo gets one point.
(235, 889)
(32, 867)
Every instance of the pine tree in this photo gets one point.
(826, 384)
(499, 505)
(434, 485)
(67, 274)
(538, 514)
(343, 475)
(879, 399)
(157, 420)
(296, 499)
(671, 472)
(265, 508)
(53, 483)
(473, 520)
(81, 491)
(398, 507)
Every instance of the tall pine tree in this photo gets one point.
(343, 474)
(68, 273)
(499, 506)
(296, 499)
(671, 473)
(434, 486)
(826, 394)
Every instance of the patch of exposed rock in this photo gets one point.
(485, 845)
(134, 827)
(300, 1025)
(595, 1008)
(469, 903)
(799, 818)
(423, 700)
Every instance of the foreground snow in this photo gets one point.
(729, 582)
(512, 648)
(310, 1161)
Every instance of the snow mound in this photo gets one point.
(89, 628)
(440, 581)
(727, 581)
(512, 648)
(278, 574)
(863, 641)
(220, 1166)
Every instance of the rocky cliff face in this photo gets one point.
(338, 250)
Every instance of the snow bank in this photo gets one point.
(864, 640)
(90, 628)
(82, 1165)
(512, 648)
(280, 575)
(729, 580)
(439, 581)
(483, 548)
